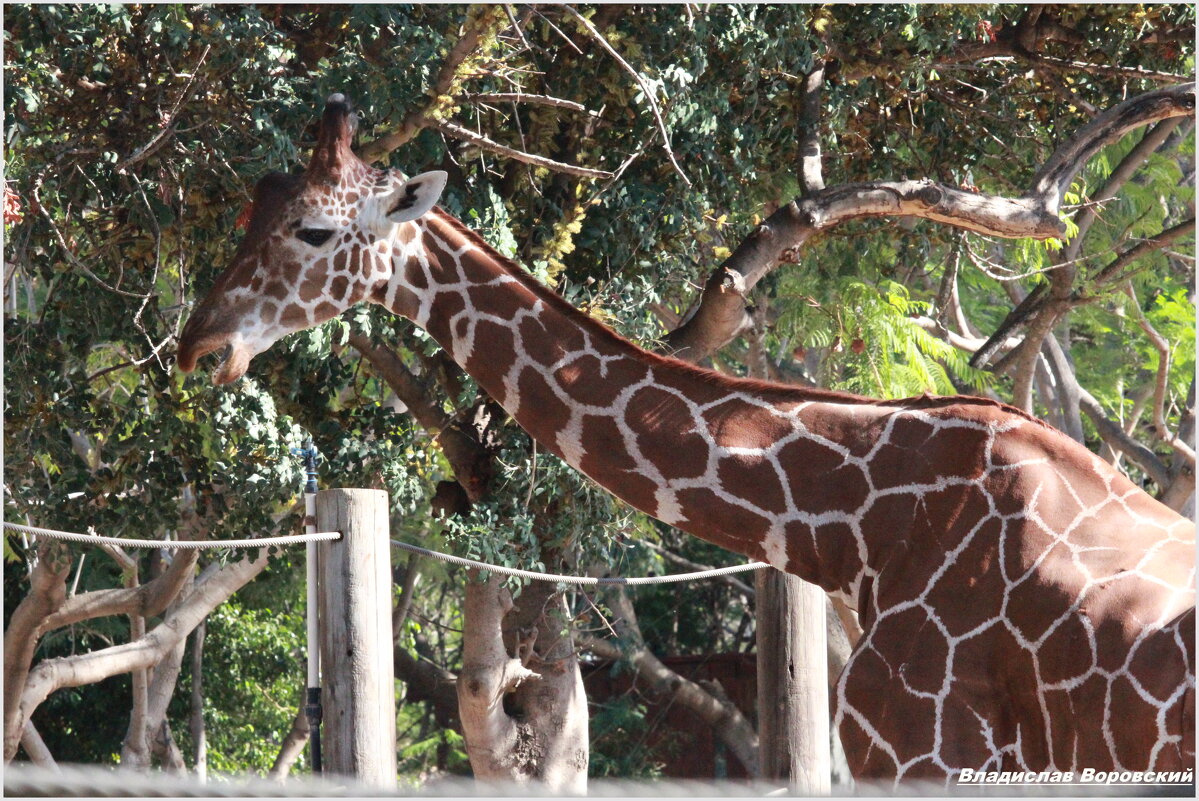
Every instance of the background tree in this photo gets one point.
(626, 155)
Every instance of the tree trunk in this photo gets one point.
(196, 725)
(47, 593)
(523, 710)
(36, 750)
(292, 747)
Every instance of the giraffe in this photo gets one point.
(1024, 605)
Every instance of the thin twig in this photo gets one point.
(66, 250)
(645, 87)
(516, 26)
(521, 97)
(168, 125)
(467, 135)
(558, 30)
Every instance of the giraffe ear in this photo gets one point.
(415, 197)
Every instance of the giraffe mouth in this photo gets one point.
(235, 358)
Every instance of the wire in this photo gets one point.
(95, 539)
(583, 580)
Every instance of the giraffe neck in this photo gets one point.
(707, 454)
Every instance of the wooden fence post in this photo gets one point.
(359, 735)
(793, 709)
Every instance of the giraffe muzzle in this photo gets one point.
(235, 355)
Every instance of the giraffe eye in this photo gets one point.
(314, 236)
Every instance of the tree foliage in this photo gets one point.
(134, 134)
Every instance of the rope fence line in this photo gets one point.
(293, 539)
(589, 581)
(183, 545)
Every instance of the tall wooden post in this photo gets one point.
(355, 619)
(793, 710)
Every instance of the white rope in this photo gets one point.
(95, 539)
(587, 581)
(583, 580)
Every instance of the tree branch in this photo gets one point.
(75, 671)
(1153, 139)
(734, 582)
(1116, 437)
(291, 747)
(467, 457)
(1054, 178)
(811, 171)
(1113, 272)
(146, 600)
(1107, 70)
(728, 723)
(478, 140)
(720, 315)
(521, 97)
(1161, 384)
(646, 89)
(427, 681)
(35, 748)
(479, 23)
(196, 727)
(47, 592)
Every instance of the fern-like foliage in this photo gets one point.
(875, 348)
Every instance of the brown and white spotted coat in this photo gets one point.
(1025, 606)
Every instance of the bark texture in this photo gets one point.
(523, 712)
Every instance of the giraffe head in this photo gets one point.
(317, 243)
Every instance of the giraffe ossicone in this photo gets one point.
(1024, 605)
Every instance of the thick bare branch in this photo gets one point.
(135, 748)
(75, 671)
(1054, 178)
(291, 747)
(1109, 70)
(407, 387)
(47, 592)
(1153, 139)
(427, 681)
(146, 600)
(727, 721)
(1120, 440)
(35, 748)
(721, 313)
(811, 167)
(466, 455)
(196, 727)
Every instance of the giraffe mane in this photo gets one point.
(773, 389)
